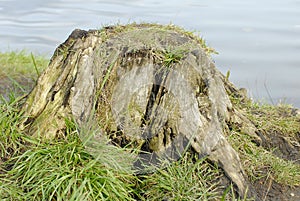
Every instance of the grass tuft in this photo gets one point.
(11, 139)
(186, 179)
(63, 170)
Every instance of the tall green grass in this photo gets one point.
(10, 137)
(63, 170)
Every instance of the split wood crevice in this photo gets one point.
(149, 84)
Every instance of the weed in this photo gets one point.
(172, 57)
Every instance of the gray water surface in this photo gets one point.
(258, 41)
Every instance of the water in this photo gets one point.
(258, 41)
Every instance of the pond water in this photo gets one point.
(258, 41)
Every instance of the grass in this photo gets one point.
(56, 170)
(283, 120)
(10, 137)
(170, 27)
(262, 164)
(19, 71)
(63, 170)
(261, 161)
(186, 179)
(16, 64)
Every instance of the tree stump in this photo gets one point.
(151, 85)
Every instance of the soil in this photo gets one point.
(272, 191)
(269, 190)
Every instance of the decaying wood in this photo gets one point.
(153, 85)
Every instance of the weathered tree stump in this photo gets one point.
(148, 84)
